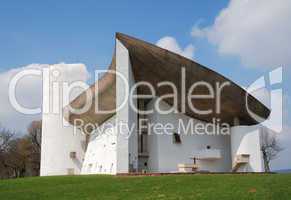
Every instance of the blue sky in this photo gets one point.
(75, 31)
(49, 32)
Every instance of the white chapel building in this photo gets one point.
(122, 141)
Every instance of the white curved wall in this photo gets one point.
(101, 153)
(115, 150)
(57, 143)
(164, 155)
(58, 140)
(247, 140)
(127, 140)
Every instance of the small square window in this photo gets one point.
(73, 155)
(176, 138)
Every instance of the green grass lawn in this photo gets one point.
(218, 187)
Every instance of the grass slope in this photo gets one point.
(273, 186)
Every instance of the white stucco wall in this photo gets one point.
(127, 151)
(101, 153)
(247, 140)
(164, 155)
(116, 148)
(57, 143)
(58, 137)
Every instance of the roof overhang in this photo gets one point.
(153, 64)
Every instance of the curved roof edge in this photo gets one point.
(149, 63)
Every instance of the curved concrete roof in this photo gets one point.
(153, 64)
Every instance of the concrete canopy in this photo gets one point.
(153, 64)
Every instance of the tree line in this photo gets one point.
(20, 155)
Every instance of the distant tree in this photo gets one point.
(34, 132)
(270, 147)
(6, 137)
(16, 159)
(34, 136)
(13, 154)
(20, 156)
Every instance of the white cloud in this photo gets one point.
(171, 44)
(198, 32)
(284, 136)
(29, 92)
(282, 161)
(256, 31)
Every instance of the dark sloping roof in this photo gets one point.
(154, 64)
